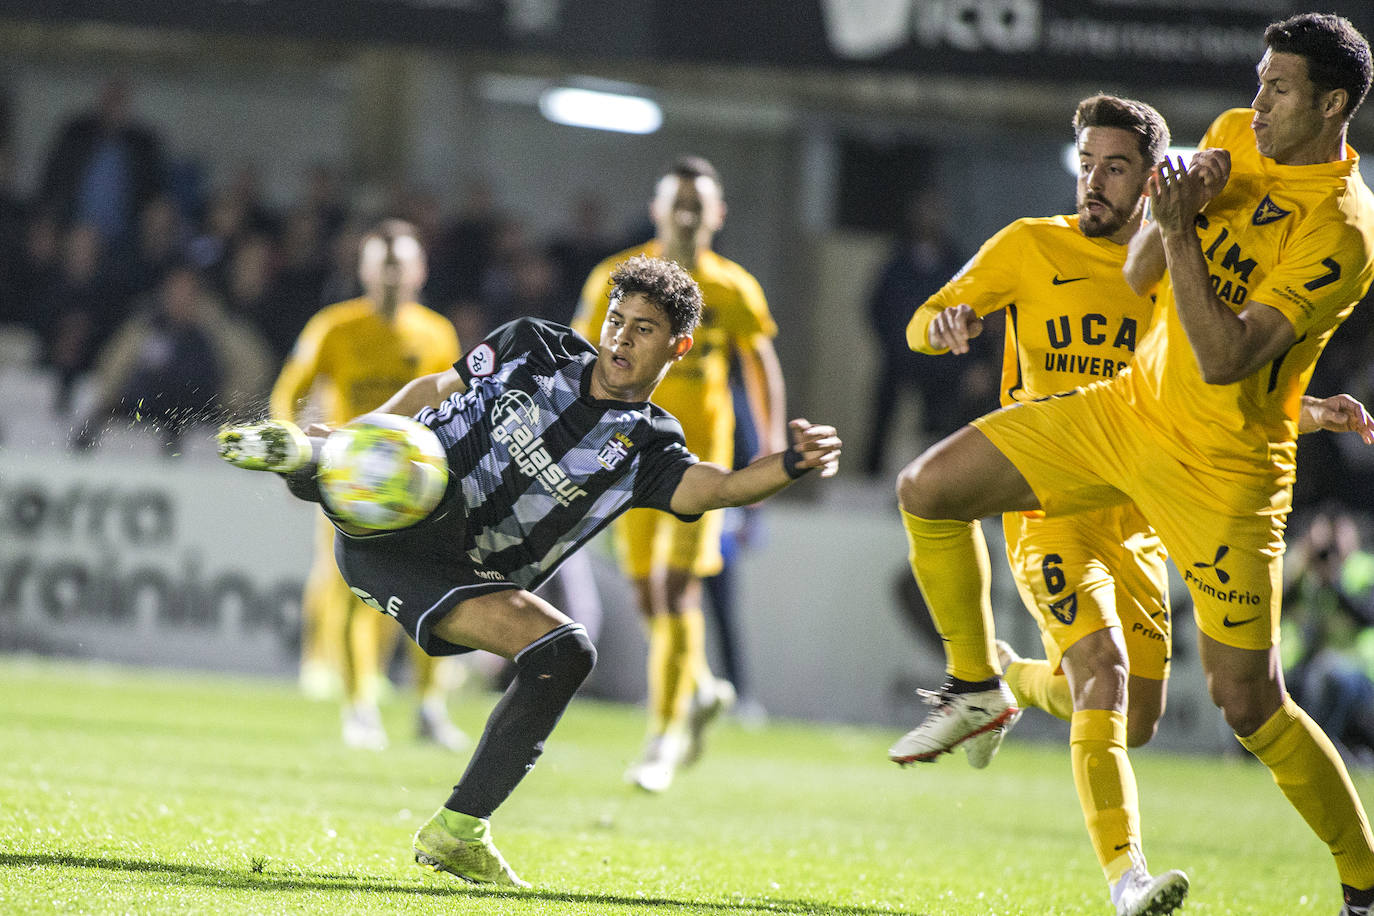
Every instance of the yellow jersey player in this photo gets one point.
(664, 557)
(354, 355)
(1268, 243)
(1096, 582)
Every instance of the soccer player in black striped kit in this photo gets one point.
(548, 439)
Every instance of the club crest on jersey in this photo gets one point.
(1268, 212)
(482, 360)
(616, 449)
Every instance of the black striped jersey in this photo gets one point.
(537, 465)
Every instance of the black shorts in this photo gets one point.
(395, 575)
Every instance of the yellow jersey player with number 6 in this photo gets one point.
(1260, 247)
(1096, 582)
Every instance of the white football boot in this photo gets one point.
(957, 718)
(273, 445)
(1138, 893)
(663, 754)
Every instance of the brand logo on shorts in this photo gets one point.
(393, 604)
(1229, 596)
(1065, 610)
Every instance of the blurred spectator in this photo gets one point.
(162, 239)
(104, 168)
(580, 246)
(250, 293)
(1326, 632)
(533, 289)
(14, 217)
(179, 361)
(224, 223)
(324, 199)
(305, 261)
(77, 308)
(341, 272)
(465, 248)
(923, 259)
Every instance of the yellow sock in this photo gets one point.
(1310, 773)
(1106, 787)
(950, 562)
(1034, 683)
(671, 675)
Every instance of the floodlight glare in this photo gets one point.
(629, 114)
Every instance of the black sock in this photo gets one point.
(304, 484)
(1357, 897)
(957, 686)
(548, 673)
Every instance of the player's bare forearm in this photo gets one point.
(1228, 347)
(1144, 259)
(707, 486)
(425, 391)
(766, 393)
(1339, 413)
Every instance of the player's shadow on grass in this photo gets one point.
(246, 878)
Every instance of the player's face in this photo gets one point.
(393, 272)
(1288, 121)
(1111, 177)
(687, 211)
(637, 347)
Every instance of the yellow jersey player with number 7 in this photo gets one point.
(1260, 247)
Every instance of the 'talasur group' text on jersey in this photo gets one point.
(539, 466)
(1071, 317)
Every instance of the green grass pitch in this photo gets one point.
(134, 791)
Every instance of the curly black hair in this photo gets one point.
(663, 283)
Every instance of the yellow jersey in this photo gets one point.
(697, 388)
(1071, 317)
(361, 358)
(1297, 238)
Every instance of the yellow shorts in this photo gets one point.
(1082, 573)
(648, 540)
(1223, 529)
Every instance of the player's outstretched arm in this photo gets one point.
(425, 391)
(1339, 413)
(708, 486)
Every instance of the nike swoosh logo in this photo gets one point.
(1060, 281)
(1120, 846)
(1228, 622)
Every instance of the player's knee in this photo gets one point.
(917, 492)
(564, 658)
(1245, 704)
(1140, 729)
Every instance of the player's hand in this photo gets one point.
(819, 446)
(954, 327)
(1339, 413)
(1213, 167)
(1177, 194)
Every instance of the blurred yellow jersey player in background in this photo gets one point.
(666, 558)
(351, 357)
(1096, 582)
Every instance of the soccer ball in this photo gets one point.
(382, 471)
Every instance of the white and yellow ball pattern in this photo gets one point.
(382, 471)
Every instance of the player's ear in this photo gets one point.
(684, 343)
(1334, 103)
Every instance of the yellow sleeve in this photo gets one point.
(445, 349)
(751, 318)
(986, 283)
(306, 362)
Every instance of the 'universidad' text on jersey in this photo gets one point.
(1071, 317)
